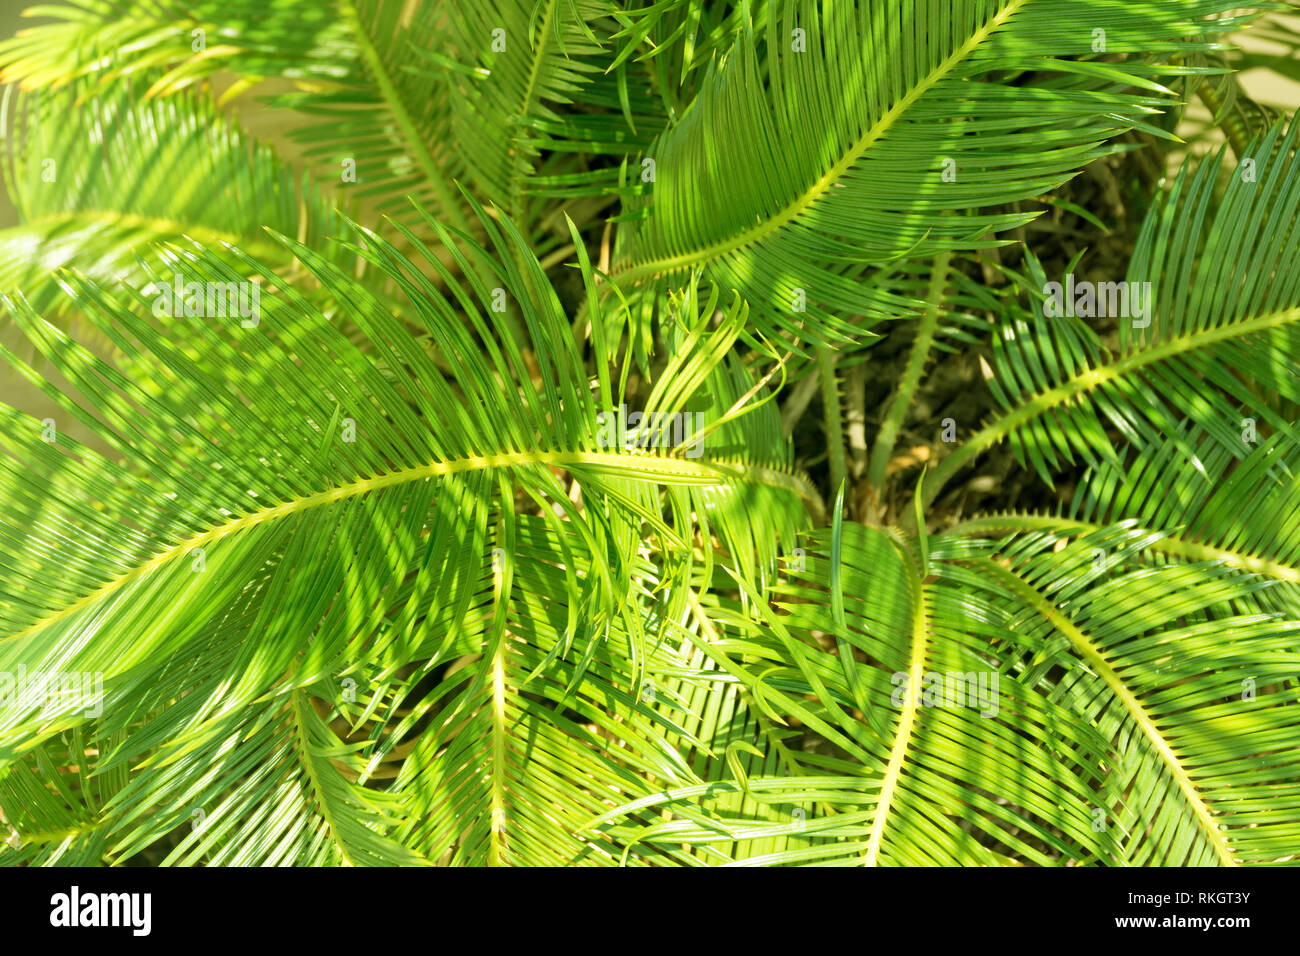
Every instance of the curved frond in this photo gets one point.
(101, 185)
(1215, 341)
(331, 501)
(770, 193)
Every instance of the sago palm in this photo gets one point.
(496, 525)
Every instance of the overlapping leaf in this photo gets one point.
(836, 141)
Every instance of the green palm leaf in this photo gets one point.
(529, 60)
(123, 175)
(1207, 317)
(897, 778)
(178, 44)
(275, 526)
(770, 193)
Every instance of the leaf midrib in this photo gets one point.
(534, 73)
(1176, 544)
(302, 717)
(638, 271)
(1137, 712)
(499, 734)
(1091, 379)
(894, 769)
(157, 225)
(673, 470)
(402, 116)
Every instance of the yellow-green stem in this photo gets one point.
(833, 418)
(883, 447)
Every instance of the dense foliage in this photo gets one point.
(555, 435)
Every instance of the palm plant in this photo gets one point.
(361, 577)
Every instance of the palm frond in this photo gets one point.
(177, 44)
(792, 203)
(1218, 344)
(234, 504)
(904, 773)
(529, 59)
(101, 185)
